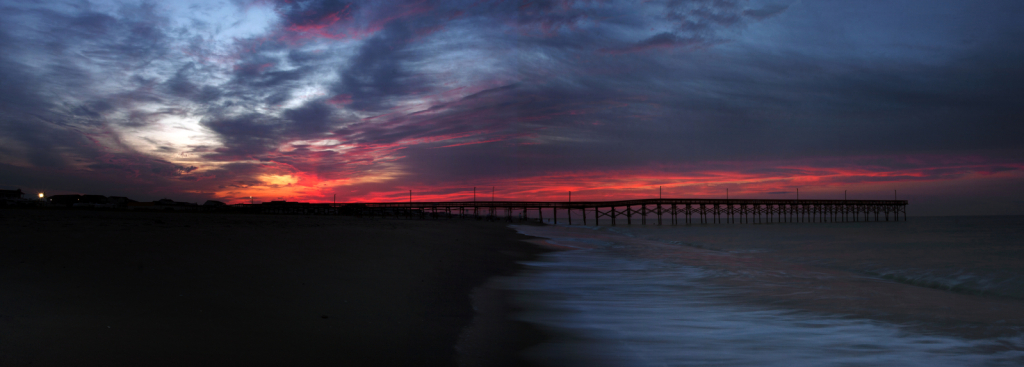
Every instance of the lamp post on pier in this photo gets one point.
(568, 210)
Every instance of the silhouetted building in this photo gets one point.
(11, 194)
(63, 200)
(165, 204)
(214, 203)
(93, 199)
(286, 207)
(119, 200)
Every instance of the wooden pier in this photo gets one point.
(647, 211)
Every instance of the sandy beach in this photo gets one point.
(91, 288)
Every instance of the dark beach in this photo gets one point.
(105, 288)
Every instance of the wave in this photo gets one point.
(1009, 286)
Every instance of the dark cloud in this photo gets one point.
(377, 72)
(692, 24)
(702, 16)
(181, 84)
(139, 167)
(663, 40)
(208, 94)
(314, 13)
(765, 12)
(265, 75)
(132, 38)
(252, 135)
(302, 57)
(245, 135)
(311, 119)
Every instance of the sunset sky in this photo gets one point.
(303, 100)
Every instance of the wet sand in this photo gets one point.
(125, 289)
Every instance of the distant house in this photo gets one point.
(214, 203)
(286, 207)
(63, 200)
(11, 194)
(168, 204)
(93, 199)
(120, 200)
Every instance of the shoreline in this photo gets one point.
(115, 288)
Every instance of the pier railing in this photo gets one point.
(655, 211)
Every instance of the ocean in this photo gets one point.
(932, 291)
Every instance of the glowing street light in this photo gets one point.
(41, 196)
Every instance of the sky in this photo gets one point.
(308, 100)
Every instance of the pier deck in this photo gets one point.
(655, 211)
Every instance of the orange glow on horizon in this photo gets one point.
(616, 185)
